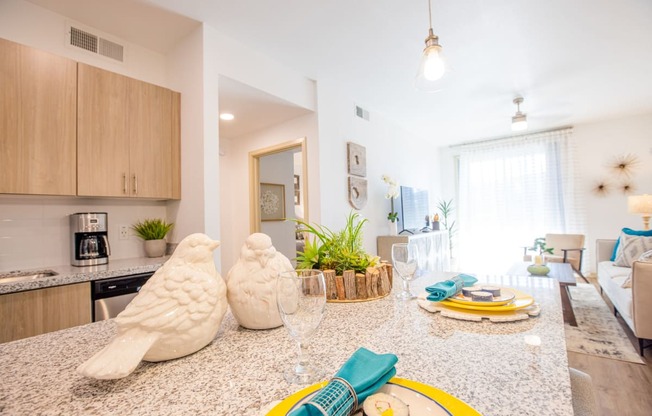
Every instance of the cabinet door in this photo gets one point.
(150, 134)
(37, 121)
(103, 137)
(35, 312)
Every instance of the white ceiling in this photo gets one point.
(573, 61)
(253, 109)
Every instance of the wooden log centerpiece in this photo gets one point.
(375, 283)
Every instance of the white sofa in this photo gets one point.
(633, 304)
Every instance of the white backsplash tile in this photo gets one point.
(35, 230)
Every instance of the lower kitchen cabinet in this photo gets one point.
(35, 312)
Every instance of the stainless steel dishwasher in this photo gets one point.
(111, 296)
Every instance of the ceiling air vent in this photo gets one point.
(93, 43)
(362, 113)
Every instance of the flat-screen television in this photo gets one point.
(414, 206)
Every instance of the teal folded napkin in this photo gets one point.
(447, 288)
(362, 375)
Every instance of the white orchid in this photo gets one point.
(392, 193)
(392, 189)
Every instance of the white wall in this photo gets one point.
(194, 68)
(35, 230)
(390, 150)
(598, 145)
(234, 182)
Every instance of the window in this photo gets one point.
(510, 192)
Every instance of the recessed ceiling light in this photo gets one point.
(227, 116)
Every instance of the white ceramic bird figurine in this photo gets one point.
(251, 283)
(177, 312)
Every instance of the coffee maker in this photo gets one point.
(90, 240)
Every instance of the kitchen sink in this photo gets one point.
(19, 276)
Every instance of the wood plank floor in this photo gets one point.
(621, 388)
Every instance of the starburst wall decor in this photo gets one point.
(601, 188)
(622, 167)
(627, 188)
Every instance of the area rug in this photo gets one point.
(597, 332)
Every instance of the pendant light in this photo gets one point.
(519, 121)
(431, 67)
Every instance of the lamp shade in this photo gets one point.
(640, 204)
(519, 122)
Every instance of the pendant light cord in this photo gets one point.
(430, 14)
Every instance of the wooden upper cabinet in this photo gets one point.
(38, 94)
(128, 140)
(102, 135)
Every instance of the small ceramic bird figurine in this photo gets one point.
(177, 312)
(251, 283)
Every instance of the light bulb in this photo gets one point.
(433, 67)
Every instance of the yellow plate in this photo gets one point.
(424, 400)
(522, 300)
(506, 296)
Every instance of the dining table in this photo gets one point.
(497, 368)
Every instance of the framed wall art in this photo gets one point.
(356, 159)
(272, 202)
(357, 192)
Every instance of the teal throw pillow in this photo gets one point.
(629, 231)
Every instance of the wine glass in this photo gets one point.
(405, 260)
(301, 299)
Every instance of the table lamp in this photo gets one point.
(641, 204)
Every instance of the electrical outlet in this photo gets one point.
(124, 232)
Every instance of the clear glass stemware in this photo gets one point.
(301, 300)
(405, 261)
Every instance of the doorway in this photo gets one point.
(279, 193)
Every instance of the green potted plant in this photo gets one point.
(539, 267)
(342, 253)
(446, 209)
(540, 247)
(153, 232)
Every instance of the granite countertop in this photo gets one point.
(488, 365)
(70, 274)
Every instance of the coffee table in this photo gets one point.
(564, 274)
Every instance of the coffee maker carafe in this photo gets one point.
(90, 239)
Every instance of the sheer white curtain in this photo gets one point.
(512, 191)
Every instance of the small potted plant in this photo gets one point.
(153, 231)
(539, 267)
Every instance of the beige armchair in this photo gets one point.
(567, 248)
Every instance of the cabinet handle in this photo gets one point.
(124, 183)
(135, 185)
